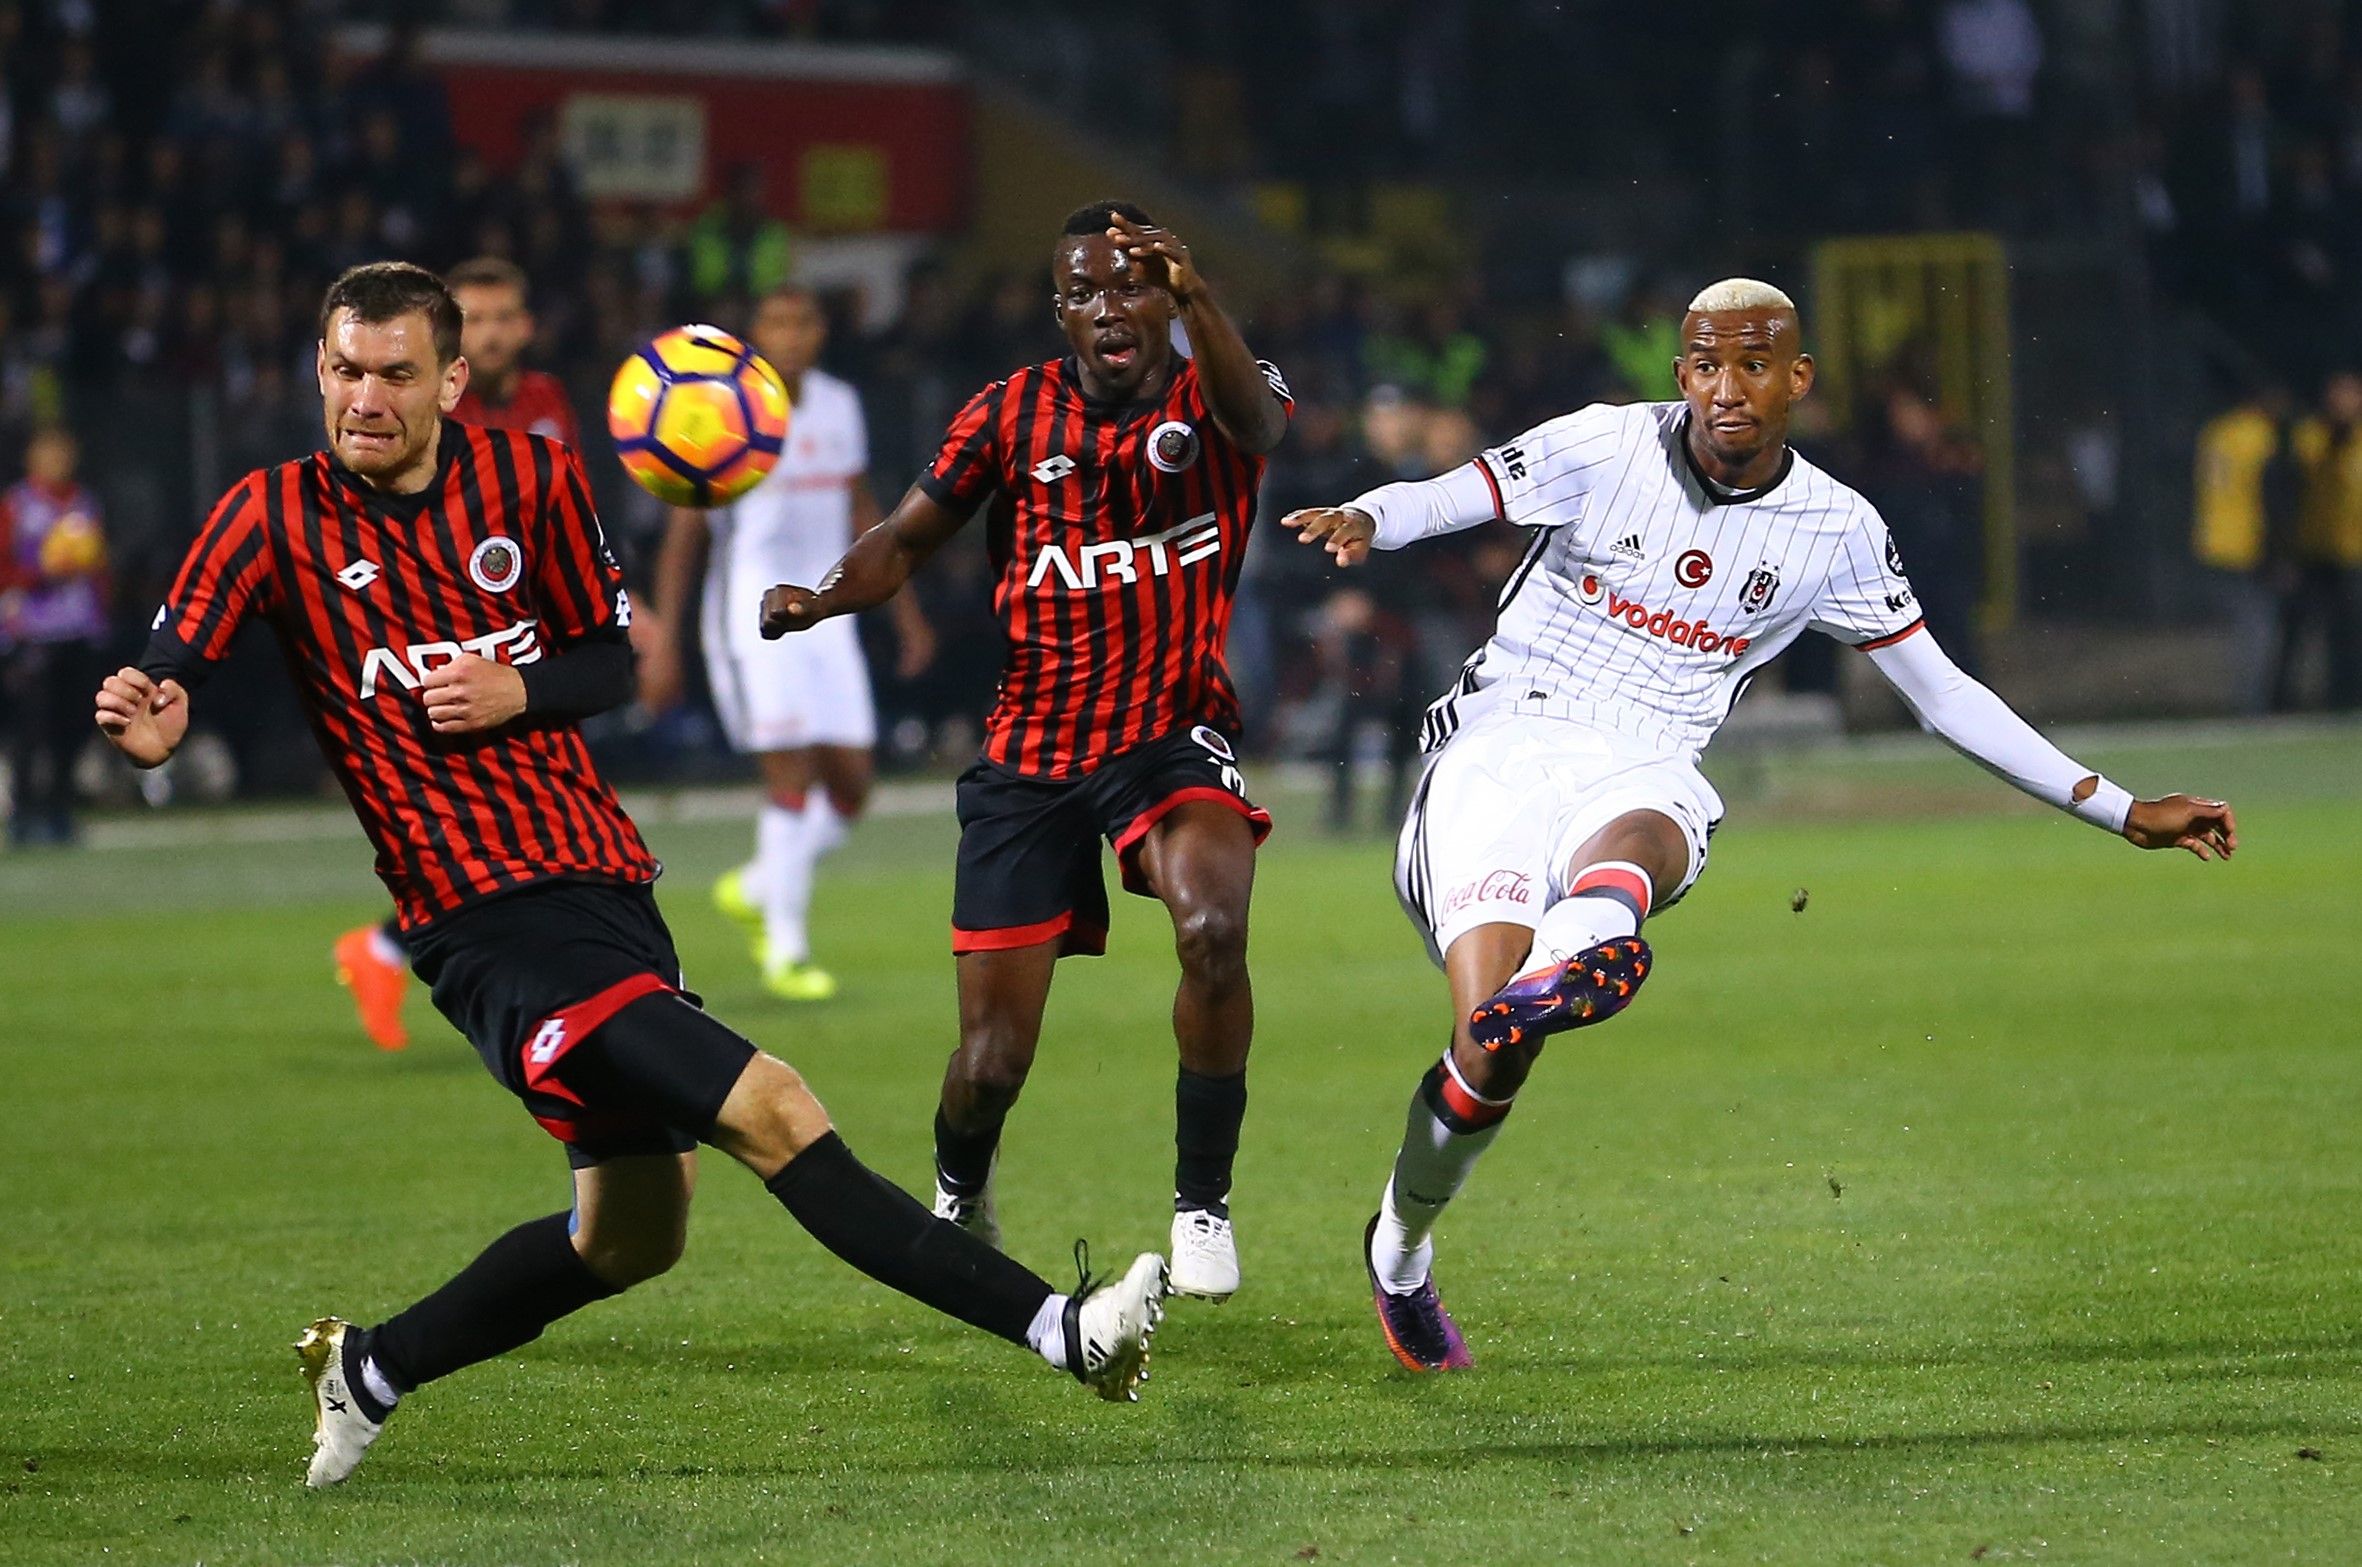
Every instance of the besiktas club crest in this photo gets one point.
(1172, 446)
(496, 564)
(1757, 590)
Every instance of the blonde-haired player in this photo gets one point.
(1676, 548)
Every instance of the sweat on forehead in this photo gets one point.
(1774, 325)
(1080, 253)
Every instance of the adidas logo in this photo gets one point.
(1628, 547)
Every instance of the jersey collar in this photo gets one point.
(1722, 494)
(407, 507)
(1070, 371)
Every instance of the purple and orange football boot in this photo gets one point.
(1590, 987)
(1421, 1333)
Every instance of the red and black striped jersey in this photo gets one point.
(502, 556)
(1116, 532)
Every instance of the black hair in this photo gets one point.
(380, 291)
(1094, 219)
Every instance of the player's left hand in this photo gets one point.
(1161, 252)
(2179, 821)
(471, 694)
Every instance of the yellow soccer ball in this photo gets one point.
(698, 417)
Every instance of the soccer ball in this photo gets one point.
(698, 417)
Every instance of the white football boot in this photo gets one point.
(1205, 1256)
(1108, 1327)
(340, 1433)
(979, 1215)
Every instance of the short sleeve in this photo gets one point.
(225, 578)
(1544, 477)
(1867, 600)
(967, 466)
(577, 580)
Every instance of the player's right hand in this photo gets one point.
(143, 720)
(789, 608)
(2179, 821)
(1344, 531)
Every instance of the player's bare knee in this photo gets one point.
(770, 1116)
(1211, 939)
(992, 1063)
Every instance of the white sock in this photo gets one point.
(825, 823)
(382, 948)
(1608, 901)
(374, 1380)
(1433, 1164)
(783, 882)
(1046, 1333)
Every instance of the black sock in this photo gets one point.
(522, 1283)
(963, 1160)
(880, 1229)
(391, 930)
(1206, 1115)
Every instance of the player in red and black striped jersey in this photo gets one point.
(1118, 484)
(496, 327)
(449, 607)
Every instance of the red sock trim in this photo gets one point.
(1614, 878)
(1476, 1112)
(789, 799)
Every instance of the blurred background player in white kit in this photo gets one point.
(801, 705)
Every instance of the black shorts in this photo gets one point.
(571, 993)
(1029, 865)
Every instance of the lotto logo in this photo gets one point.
(1051, 469)
(547, 1043)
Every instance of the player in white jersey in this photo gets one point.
(800, 706)
(1676, 548)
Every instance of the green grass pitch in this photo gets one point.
(2003, 1205)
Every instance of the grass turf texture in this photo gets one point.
(1999, 1205)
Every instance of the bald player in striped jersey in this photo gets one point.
(1676, 548)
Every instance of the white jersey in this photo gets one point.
(1648, 597)
(799, 521)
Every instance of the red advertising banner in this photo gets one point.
(848, 139)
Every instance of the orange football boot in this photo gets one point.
(376, 985)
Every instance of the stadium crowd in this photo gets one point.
(177, 186)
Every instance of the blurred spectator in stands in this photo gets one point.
(1643, 341)
(2328, 549)
(1927, 481)
(53, 631)
(2246, 488)
(1993, 51)
(736, 248)
(1371, 653)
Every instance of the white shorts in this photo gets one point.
(808, 688)
(1507, 802)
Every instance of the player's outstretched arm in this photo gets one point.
(872, 571)
(1967, 715)
(142, 718)
(1245, 403)
(1393, 515)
